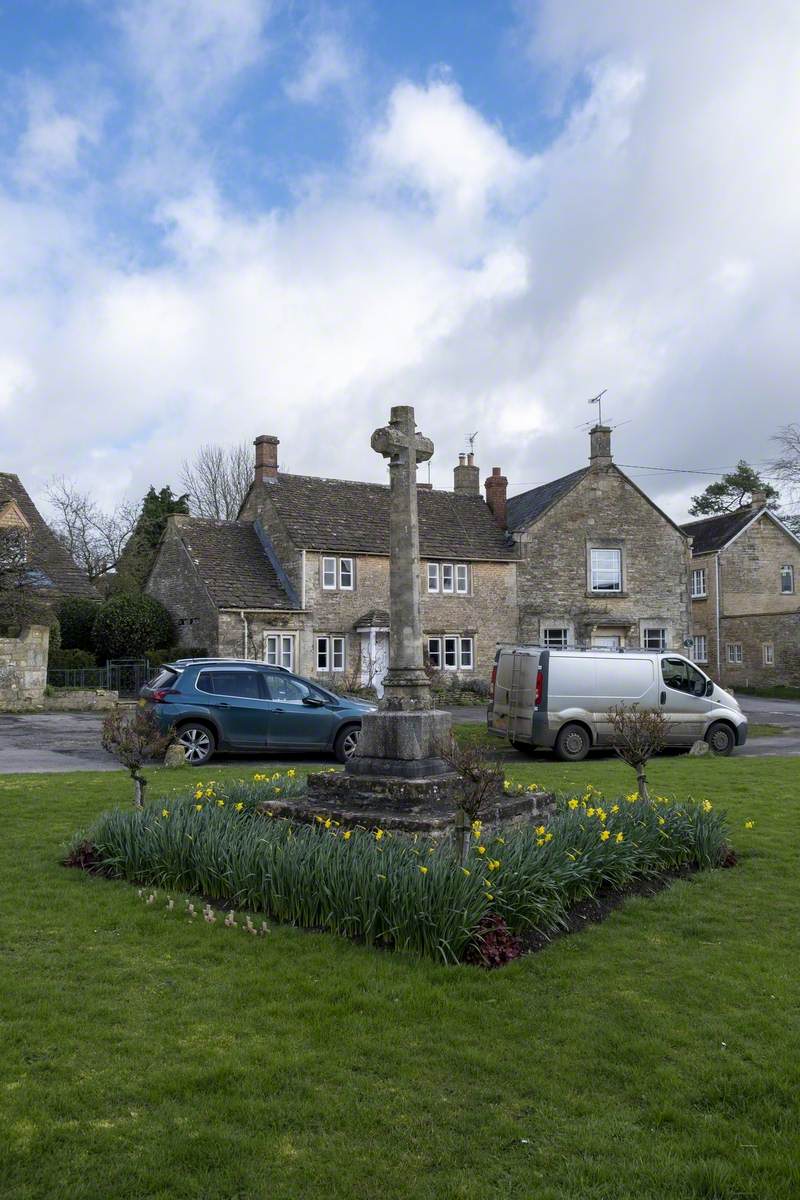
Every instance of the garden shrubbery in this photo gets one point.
(394, 890)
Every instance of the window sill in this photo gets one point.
(607, 595)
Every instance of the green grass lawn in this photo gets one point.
(655, 1055)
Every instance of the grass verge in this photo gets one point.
(146, 1056)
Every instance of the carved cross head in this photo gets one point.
(396, 440)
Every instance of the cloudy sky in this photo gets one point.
(220, 218)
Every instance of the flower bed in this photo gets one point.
(398, 891)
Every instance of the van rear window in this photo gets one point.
(164, 679)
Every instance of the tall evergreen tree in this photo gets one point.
(140, 550)
(733, 491)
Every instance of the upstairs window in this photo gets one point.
(329, 574)
(338, 573)
(433, 577)
(462, 579)
(447, 577)
(606, 570)
(699, 583)
(787, 579)
(346, 574)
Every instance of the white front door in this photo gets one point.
(374, 658)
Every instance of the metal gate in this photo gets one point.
(127, 675)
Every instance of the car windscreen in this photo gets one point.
(243, 684)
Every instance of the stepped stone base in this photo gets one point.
(425, 806)
(401, 744)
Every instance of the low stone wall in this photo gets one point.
(23, 667)
(80, 700)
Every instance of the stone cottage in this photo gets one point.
(301, 579)
(599, 563)
(51, 569)
(744, 601)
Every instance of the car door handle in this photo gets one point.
(277, 710)
(222, 704)
(663, 697)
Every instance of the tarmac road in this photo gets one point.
(40, 742)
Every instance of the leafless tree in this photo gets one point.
(94, 538)
(637, 734)
(133, 737)
(481, 777)
(785, 468)
(22, 600)
(217, 480)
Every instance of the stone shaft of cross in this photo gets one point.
(404, 447)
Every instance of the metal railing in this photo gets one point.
(123, 675)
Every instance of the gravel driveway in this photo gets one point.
(71, 741)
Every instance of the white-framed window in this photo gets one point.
(435, 653)
(462, 579)
(467, 656)
(606, 570)
(699, 583)
(700, 648)
(279, 650)
(787, 579)
(346, 574)
(330, 653)
(451, 653)
(447, 577)
(654, 637)
(734, 653)
(433, 577)
(556, 637)
(768, 653)
(329, 574)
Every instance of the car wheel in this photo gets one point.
(720, 738)
(573, 743)
(198, 744)
(346, 743)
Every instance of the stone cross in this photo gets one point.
(405, 684)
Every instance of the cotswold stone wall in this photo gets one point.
(174, 581)
(781, 632)
(23, 666)
(604, 510)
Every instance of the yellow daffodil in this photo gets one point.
(749, 824)
(291, 774)
(540, 841)
(489, 896)
(619, 838)
(198, 808)
(615, 808)
(348, 833)
(466, 870)
(423, 870)
(590, 812)
(476, 827)
(573, 803)
(632, 797)
(661, 821)
(506, 785)
(328, 823)
(165, 812)
(494, 863)
(707, 806)
(500, 841)
(540, 830)
(238, 806)
(548, 837)
(220, 804)
(318, 819)
(378, 834)
(605, 835)
(481, 849)
(382, 877)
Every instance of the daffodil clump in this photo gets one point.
(398, 890)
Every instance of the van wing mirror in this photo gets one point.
(709, 688)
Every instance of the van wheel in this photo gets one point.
(720, 738)
(573, 743)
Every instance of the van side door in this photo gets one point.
(683, 702)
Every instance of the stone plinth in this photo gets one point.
(401, 744)
(424, 806)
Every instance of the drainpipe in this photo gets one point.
(303, 579)
(244, 631)
(719, 648)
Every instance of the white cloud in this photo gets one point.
(328, 64)
(51, 144)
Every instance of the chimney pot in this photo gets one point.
(496, 487)
(466, 477)
(758, 499)
(266, 457)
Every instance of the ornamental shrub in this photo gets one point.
(76, 616)
(126, 625)
(396, 890)
(70, 660)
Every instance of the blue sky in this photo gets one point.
(220, 218)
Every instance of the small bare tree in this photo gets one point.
(133, 737)
(94, 538)
(481, 777)
(217, 480)
(637, 734)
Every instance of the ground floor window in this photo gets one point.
(451, 653)
(700, 648)
(768, 651)
(735, 655)
(654, 637)
(556, 637)
(330, 653)
(279, 650)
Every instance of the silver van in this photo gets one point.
(561, 698)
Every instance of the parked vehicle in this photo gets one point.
(561, 698)
(218, 704)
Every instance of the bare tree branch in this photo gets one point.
(94, 538)
(217, 480)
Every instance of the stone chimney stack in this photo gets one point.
(266, 457)
(600, 443)
(466, 476)
(758, 499)
(497, 495)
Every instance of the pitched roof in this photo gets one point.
(529, 506)
(232, 563)
(340, 514)
(712, 533)
(52, 564)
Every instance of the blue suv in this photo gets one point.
(224, 704)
